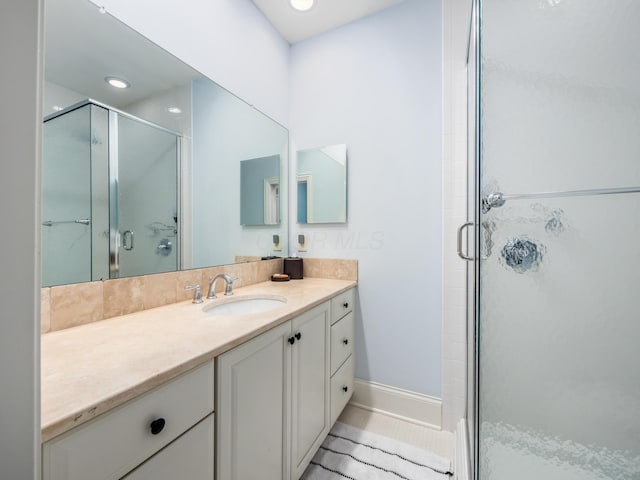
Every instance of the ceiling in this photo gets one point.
(108, 48)
(325, 15)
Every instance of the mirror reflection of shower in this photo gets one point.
(109, 196)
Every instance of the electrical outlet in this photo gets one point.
(276, 244)
(302, 242)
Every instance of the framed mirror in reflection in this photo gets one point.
(321, 183)
(260, 191)
(145, 177)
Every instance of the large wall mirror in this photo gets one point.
(321, 182)
(148, 166)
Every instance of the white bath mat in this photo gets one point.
(351, 453)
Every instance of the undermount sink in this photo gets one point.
(245, 305)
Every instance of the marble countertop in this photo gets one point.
(90, 369)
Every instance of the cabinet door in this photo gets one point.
(253, 398)
(310, 385)
(190, 456)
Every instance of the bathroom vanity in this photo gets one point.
(160, 393)
(276, 397)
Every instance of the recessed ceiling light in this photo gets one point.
(57, 108)
(117, 82)
(302, 5)
(174, 110)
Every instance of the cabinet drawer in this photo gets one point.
(341, 305)
(341, 388)
(190, 457)
(117, 441)
(342, 333)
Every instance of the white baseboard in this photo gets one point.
(461, 462)
(397, 403)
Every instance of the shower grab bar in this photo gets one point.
(51, 223)
(498, 199)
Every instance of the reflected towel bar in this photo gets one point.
(498, 199)
(51, 223)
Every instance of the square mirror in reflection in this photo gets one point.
(321, 184)
(260, 191)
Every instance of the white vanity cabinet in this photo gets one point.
(116, 445)
(342, 342)
(190, 457)
(310, 408)
(273, 400)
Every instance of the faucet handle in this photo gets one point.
(197, 295)
(229, 287)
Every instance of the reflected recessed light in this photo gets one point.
(173, 110)
(117, 82)
(302, 5)
(57, 108)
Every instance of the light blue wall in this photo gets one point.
(375, 85)
(225, 132)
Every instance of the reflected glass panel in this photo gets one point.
(66, 199)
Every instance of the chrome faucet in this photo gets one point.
(228, 290)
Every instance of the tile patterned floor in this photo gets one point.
(439, 442)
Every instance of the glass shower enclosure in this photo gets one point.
(558, 361)
(109, 196)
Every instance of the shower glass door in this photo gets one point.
(144, 208)
(559, 292)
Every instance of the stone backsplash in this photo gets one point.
(67, 306)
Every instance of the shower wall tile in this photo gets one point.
(454, 190)
(73, 305)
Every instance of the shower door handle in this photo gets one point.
(127, 245)
(461, 230)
